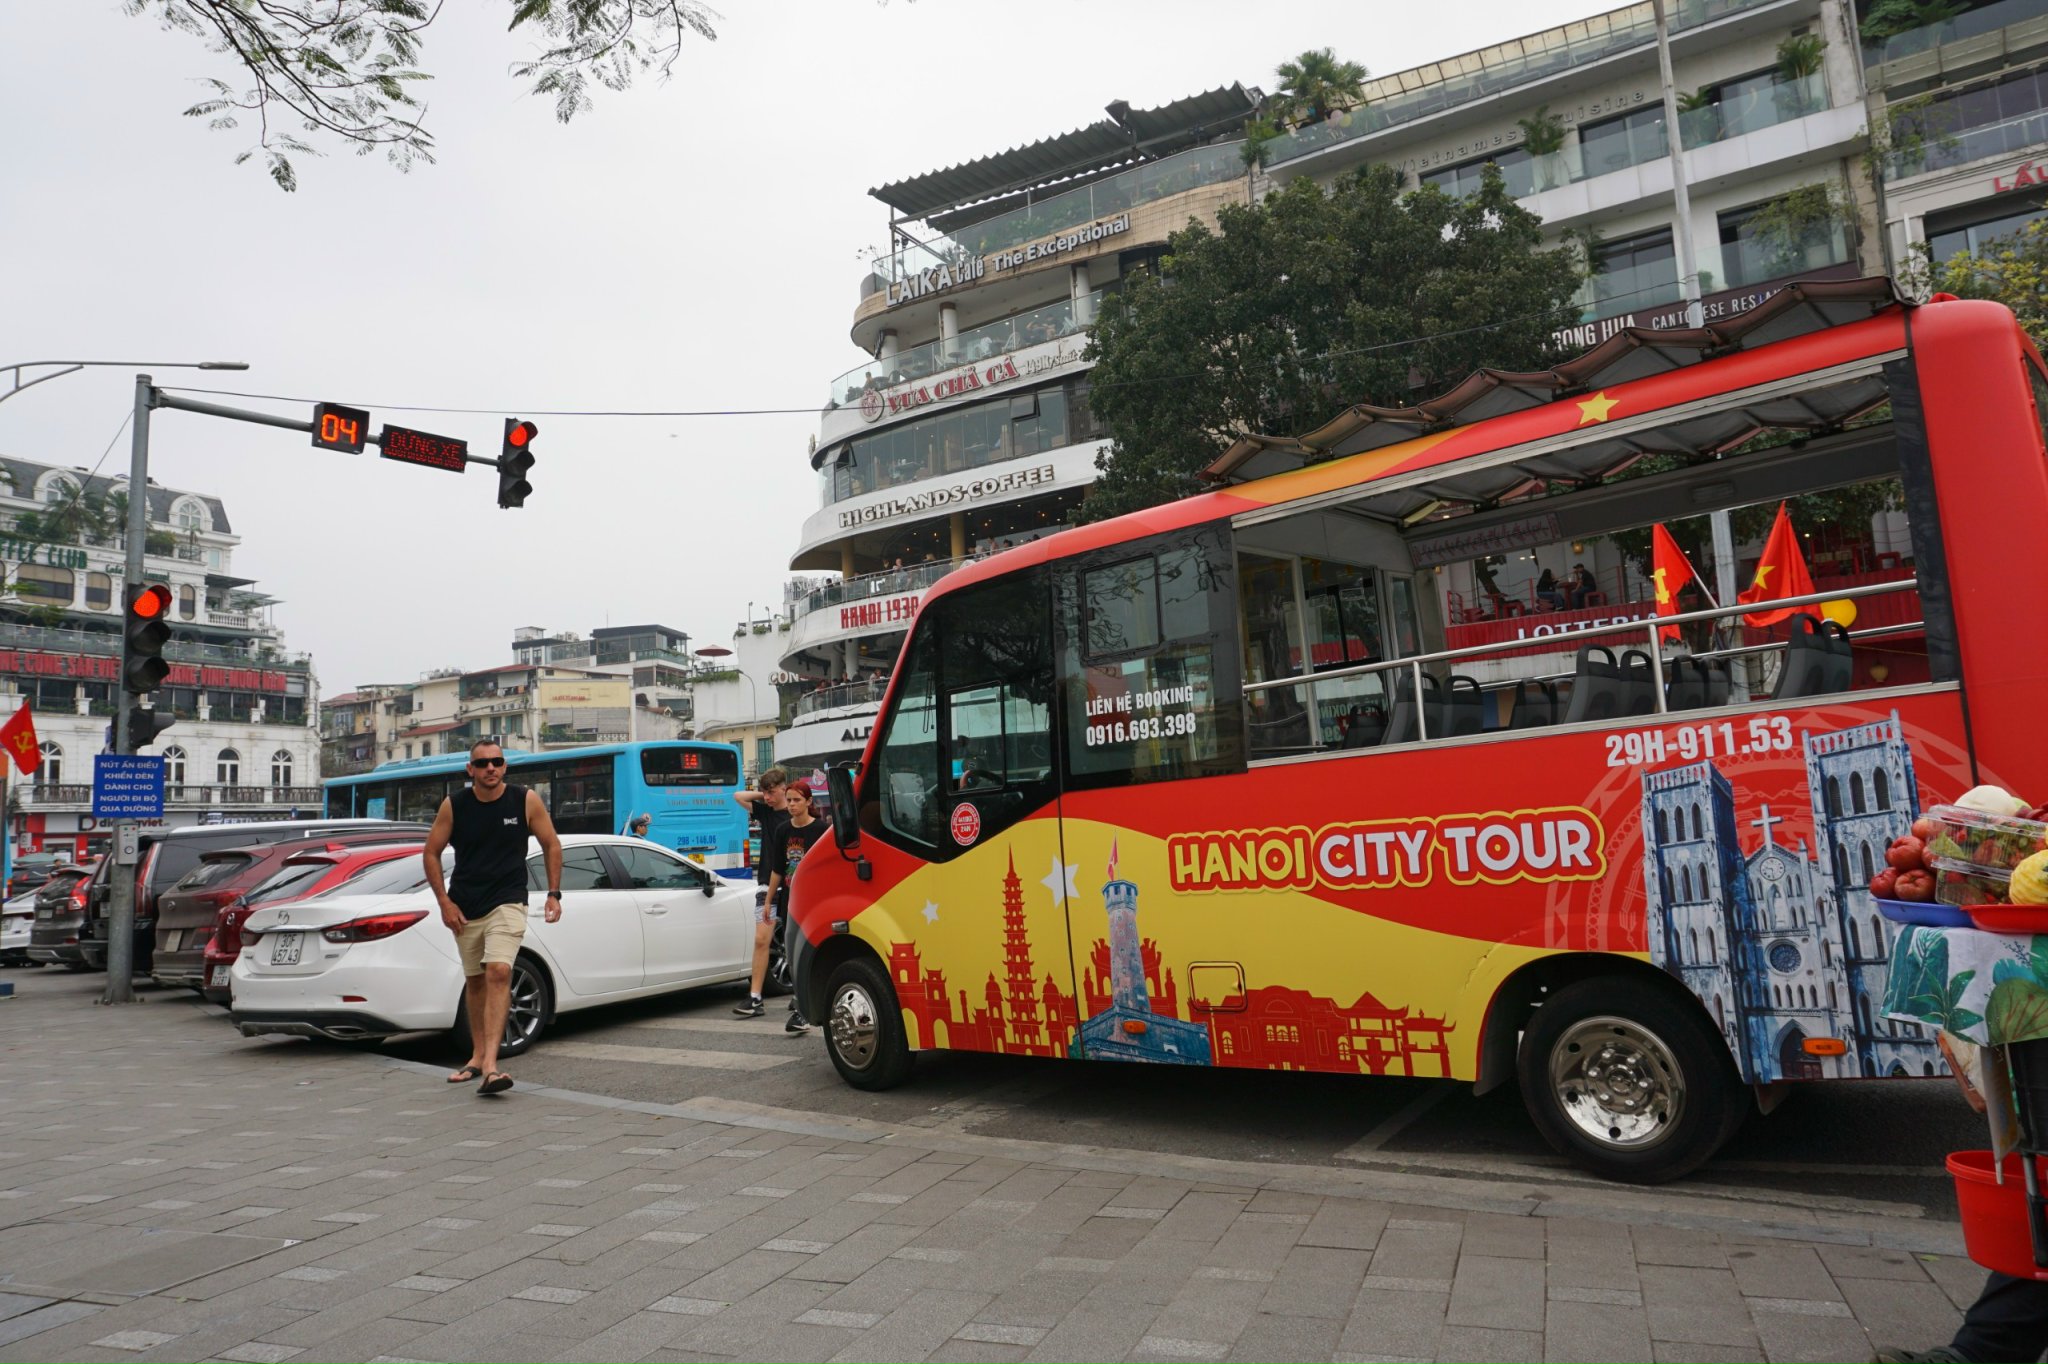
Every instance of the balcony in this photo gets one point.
(844, 694)
(1002, 337)
(61, 795)
(1940, 150)
(889, 582)
(1979, 28)
(107, 642)
(1442, 86)
(1142, 184)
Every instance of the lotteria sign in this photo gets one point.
(952, 274)
(971, 490)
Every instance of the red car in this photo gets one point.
(199, 919)
(305, 875)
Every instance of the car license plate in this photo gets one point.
(285, 951)
(220, 977)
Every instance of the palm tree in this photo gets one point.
(76, 513)
(1316, 84)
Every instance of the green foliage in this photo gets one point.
(341, 71)
(1888, 18)
(1799, 56)
(161, 543)
(1315, 85)
(1900, 142)
(1542, 132)
(1795, 223)
(1293, 308)
(1692, 101)
(2012, 270)
(1258, 138)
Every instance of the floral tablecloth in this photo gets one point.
(1986, 988)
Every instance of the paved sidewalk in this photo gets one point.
(169, 1191)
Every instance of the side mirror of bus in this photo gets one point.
(845, 818)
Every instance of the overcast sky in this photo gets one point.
(694, 245)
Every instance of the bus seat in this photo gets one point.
(1402, 724)
(1596, 686)
(1840, 673)
(1808, 659)
(1535, 705)
(1687, 689)
(1463, 707)
(1717, 681)
(1638, 684)
(1364, 727)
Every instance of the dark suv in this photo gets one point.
(60, 917)
(168, 854)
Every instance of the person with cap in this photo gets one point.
(636, 827)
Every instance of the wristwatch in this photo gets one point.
(554, 895)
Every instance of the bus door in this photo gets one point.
(965, 778)
(1152, 728)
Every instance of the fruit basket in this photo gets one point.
(1971, 840)
(1967, 884)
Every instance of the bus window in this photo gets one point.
(421, 799)
(905, 788)
(1149, 660)
(995, 675)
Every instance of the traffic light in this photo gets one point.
(144, 725)
(513, 462)
(147, 626)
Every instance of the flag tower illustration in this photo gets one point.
(1128, 1030)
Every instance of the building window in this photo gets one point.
(1751, 256)
(188, 602)
(764, 753)
(174, 770)
(1631, 273)
(227, 769)
(1517, 169)
(2006, 220)
(51, 773)
(281, 768)
(56, 490)
(99, 591)
(44, 583)
(189, 516)
(1628, 140)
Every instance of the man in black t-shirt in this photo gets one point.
(765, 804)
(485, 908)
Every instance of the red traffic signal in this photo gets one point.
(521, 433)
(514, 460)
(144, 632)
(152, 602)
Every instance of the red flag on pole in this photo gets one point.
(19, 736)
(1781, 572)
(1671, 571)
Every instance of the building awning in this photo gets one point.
(1129, 136)
(1633, 353)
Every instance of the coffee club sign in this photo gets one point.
(953, 274)
(32, 552)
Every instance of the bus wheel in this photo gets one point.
(864, 1026)
(1626, 1082)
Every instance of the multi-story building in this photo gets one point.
(1964, 106)
(243, 744)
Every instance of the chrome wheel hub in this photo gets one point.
(854, 1026)
(1617, 1082)
(522, 1017)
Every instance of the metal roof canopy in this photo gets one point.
(1633, 353)
(1127, 136)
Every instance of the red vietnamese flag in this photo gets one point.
(19, 736)
(1671, 571)
(1781, 572)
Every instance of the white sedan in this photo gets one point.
(17, 919)
(637, 920)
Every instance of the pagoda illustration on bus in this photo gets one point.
(1780, 941)
(1128, 1030)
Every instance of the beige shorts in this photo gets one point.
(493, 938)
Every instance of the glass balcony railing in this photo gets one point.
(868, 692)
(888, 583)
(1977, 22)
(1432, 89)
(1103, 198)
(1762, 104)
(1942, 150)
(1756, 260)
(1068, 317)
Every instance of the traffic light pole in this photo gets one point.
(121, 879)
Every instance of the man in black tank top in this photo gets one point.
(485, 906)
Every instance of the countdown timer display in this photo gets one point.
(340, 428)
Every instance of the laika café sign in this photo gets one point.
(952, 274)
(973, 490)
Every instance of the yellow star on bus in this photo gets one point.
(1596, 408)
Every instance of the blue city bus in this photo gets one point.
(686, 787)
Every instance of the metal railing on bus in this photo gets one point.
(1651, 626)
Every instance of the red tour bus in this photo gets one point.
(1217, 783)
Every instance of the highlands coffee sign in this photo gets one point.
(973, 490)
(952, 274)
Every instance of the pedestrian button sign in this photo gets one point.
(127, 786)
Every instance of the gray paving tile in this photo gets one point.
(1595, 1332)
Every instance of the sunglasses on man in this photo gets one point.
(486, 762)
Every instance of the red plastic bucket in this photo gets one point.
(1995, 1215)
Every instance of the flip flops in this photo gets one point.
(497, 1082)
(466, 1074)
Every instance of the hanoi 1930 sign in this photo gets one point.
(423, 447)
(340, 428)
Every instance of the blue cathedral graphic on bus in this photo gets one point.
(1780, 940)
(1128, 1030)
